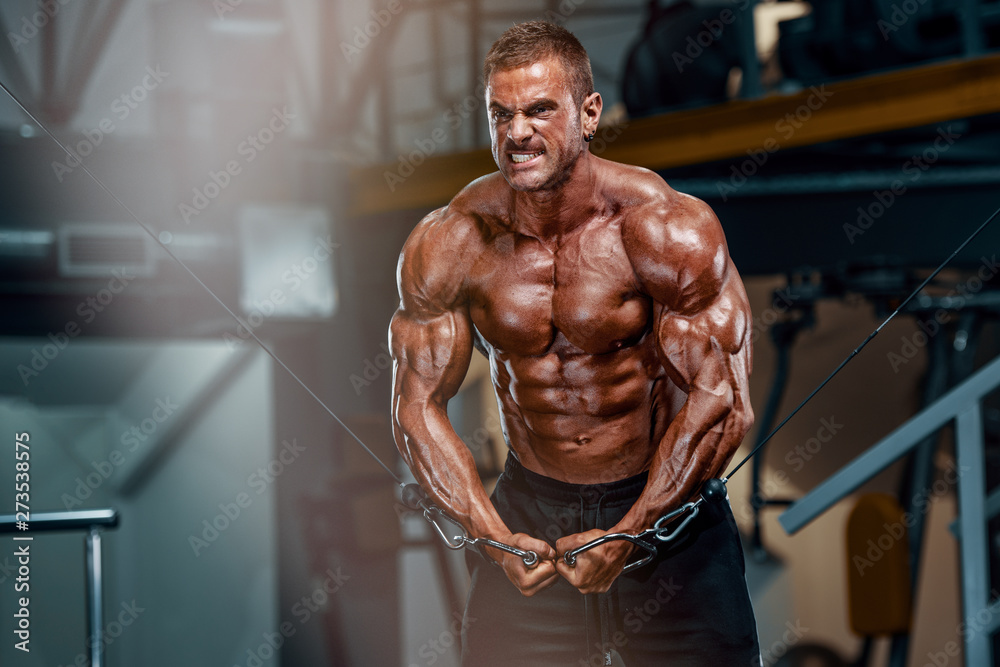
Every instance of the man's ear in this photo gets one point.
(590, 113)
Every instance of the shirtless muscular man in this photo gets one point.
(618, 335)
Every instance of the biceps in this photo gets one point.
(699, 351)
(430, 356)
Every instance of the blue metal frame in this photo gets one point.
(961, 404)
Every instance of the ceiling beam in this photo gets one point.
(867, 105)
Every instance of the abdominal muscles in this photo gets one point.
(584, 418)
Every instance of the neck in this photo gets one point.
(549, 213)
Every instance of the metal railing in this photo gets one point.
(963, 406)
(92, 521)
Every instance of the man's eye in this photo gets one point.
(501, 115)
(538, 110)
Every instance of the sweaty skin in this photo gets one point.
(616, 327)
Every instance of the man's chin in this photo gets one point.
(521, 187)
(523, 182)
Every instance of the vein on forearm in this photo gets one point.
(431, 357)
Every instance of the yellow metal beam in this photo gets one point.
(867, 105)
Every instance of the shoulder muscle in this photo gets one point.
(434, 261)
(677, 250)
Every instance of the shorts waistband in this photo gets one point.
(554, 490)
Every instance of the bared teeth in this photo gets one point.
(521, 157)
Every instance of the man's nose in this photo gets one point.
(520, 129)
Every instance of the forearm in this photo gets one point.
(443, 465)
(709, 356)
(699, 441)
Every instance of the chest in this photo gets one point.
(523, 294)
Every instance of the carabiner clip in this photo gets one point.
(454, 543)
(416, 499)
(661, 531)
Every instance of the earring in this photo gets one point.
(589, 137)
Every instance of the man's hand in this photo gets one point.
(595, 570)
(528, 580)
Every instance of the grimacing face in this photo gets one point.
(535, 125)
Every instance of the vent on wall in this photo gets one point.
(89, 250)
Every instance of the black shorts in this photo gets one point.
(689, 607)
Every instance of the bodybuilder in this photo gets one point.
(618, 335)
